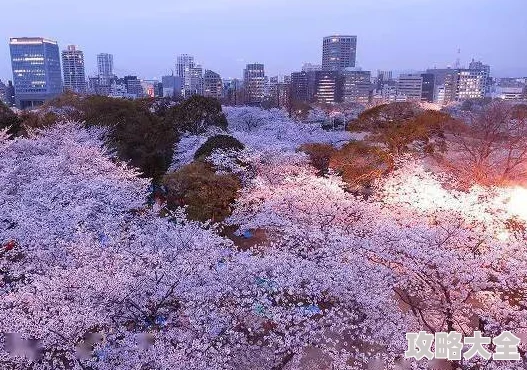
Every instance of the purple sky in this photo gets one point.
(146, 36)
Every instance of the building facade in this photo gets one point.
(410, 86)
(212, 84)
(184, 69)
(471, 84)
(36, 70)
(255, 83)
(357, 86)
(428, 87)
(485, 71)
(328, 87)
(105, 68)
(133, 86)
(73, 70)
(445, 84)
(196, 81)
(302, 87)
(172, 86)
(339, 52)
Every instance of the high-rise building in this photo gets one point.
(105, 68)
(196, 80)
(172, 86)
(184, 69)
(302, 87)
(73, 69)
(36, 70)
(234, 92)
(279, 92)
(471, 84)
(212, 85)
(356, 86)
(133, 86)
(428, 87)
(339, 52)
(484, 69)
(445, 84)
(410, 86)
(328, 87)
(254, 82)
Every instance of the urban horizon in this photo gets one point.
(458, 57)
(41, 72)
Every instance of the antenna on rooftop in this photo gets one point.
(458, 60)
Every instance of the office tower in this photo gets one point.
(428, 87)
(105, 68)
(36, 70)
(384, 75)
(383, 78)
(484, 69)
(410, 86)
(172, 86)
(338, 52)
(234, 92)
(212, 85)
(196, 80)
(133, 86)
(279, 92)
(471, 84)
(328, 87)
(73, 69)
(445, 84)
(184, 69)
(302, 87)
(254, 82)
(356, 86)
(105, 64)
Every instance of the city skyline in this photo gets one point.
(225, 50)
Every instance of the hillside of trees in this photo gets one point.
(159, 235)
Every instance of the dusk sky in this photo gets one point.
(223, 35)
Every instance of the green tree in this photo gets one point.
(207, 195)
(319, 155)
(404, 127)
(9, 120)
(384, 115)
(360, 164)
(139, 136)
(224, 142)
(196, 114)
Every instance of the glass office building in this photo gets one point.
(36, 70)
(338, 52)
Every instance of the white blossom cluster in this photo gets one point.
(91, 278)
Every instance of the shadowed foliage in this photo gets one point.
(9, 120)
(207, 195)
(224, 142)
(404, 127)
(360, 164)
(319, 155)
(196, 114)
